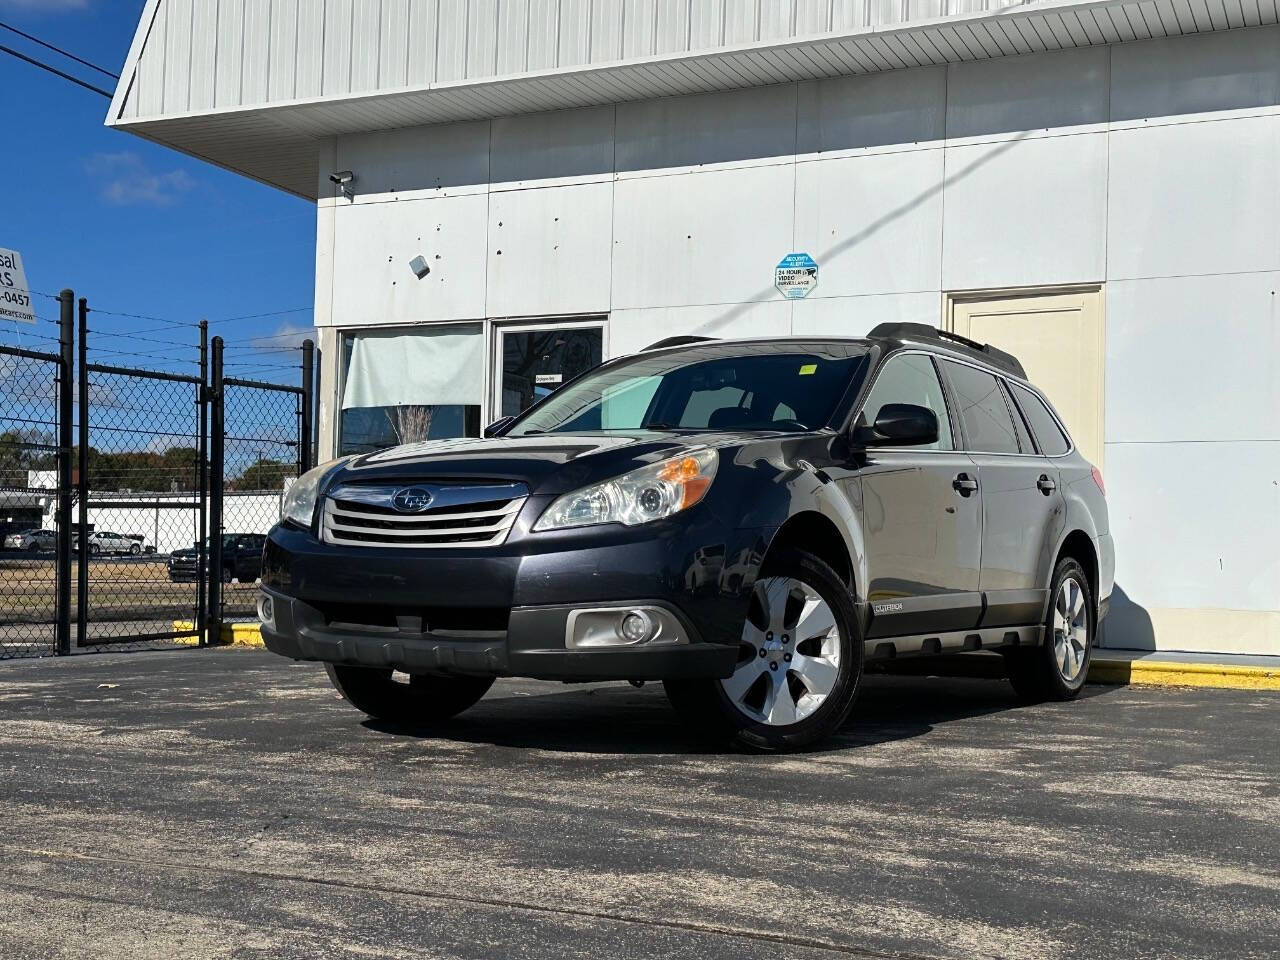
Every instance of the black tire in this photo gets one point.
(708, 710)
(227, 574)
(423, 700)
(34, 548)
(94, 550)
(1035, 673)
(135, 550)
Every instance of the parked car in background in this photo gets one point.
(241, 559)
(748, 522)
(105, 543)
(33, 541)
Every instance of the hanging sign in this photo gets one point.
(15, 298)
(796, 276)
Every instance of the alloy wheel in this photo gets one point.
(1070, 629)
(790, 655)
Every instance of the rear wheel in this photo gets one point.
(419, 699)
(1056, 670)
(135, 549)
(799, 663)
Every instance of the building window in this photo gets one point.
(411, 384)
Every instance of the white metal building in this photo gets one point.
(1095, 185)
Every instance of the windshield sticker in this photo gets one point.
(808, 369)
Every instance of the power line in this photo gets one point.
(55, 71)
(66, 53)
(259, 316)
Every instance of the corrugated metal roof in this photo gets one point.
(258, 84)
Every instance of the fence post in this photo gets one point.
(82, 480)
(66, 340)
(202, 484)
(216, 451)
(305, 454)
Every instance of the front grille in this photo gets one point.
(458, 515)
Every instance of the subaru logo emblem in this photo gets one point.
(411, 499)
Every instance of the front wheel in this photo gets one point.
(1056, 670)
(135, 549)
(799, 663)
(422, 699)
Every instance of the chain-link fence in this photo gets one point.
(28, 500)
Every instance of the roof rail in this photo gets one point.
(922, 331)
(676, 342)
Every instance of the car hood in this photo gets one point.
(547, 464)
(187, 554)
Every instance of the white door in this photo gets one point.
(1060, 339)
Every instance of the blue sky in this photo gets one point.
(134, 227)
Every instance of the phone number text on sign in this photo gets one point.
(15, 297)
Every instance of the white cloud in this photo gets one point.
(287, 335)
(127, 180)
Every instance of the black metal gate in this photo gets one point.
(261, 437)
(142, 453)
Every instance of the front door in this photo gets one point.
(1021, 503)
(922, 525)
(534, 361)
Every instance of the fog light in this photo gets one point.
(266, 611)
(636, 626)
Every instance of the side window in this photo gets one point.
(910, 378)
(988, 425)
(1053, 442)
(1019, 425)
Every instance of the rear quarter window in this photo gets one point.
(1053, 442)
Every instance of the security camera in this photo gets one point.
(342, 178)
(419, 267)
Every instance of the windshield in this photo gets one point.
(792, 387)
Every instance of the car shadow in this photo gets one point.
(620, 719)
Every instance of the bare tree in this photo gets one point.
(411, 424)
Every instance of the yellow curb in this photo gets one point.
(1169, 673)
(232, 634)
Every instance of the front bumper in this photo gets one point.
(504, 611)
(533, 645)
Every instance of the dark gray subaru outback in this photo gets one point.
(748, 522)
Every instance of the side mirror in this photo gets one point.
(899, 425)
(495, 429)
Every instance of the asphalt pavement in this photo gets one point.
(227, 804)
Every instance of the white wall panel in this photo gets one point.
(513, 35)
(873, 223)
(1171, 553)
(424, 20)
(451, 42)
(1039, 94)
(740, 21)
(1182, 78)
(855, 316)
(606, 31)
(549, 250)
(417, 161)
(722, 129)
(575, 32)
(230, 53)
(393, 45)
(889, 111)
(544, 34)
(482, 38)
(284, 49)
(338, 21)
(1024, 213)
(204, 42)
(633, 330)
(310, 67)
(177, 56)
(1195, 198)
(672, 34)
(257, 51)
(150, 90)
(1163, 385)
(366, 41)
(639, 19)
(701, 238)
(561, 147)
(375, 242)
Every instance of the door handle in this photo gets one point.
(1046, 485)
(964, 484)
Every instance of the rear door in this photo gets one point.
(1021, 503)
(921, 524)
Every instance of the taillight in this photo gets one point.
(1097, 478)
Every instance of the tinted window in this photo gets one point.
(1053, 442)
(910, 378)
(988, 425)
(1020, 425)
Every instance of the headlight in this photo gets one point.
(300, 500)
(649, 493)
